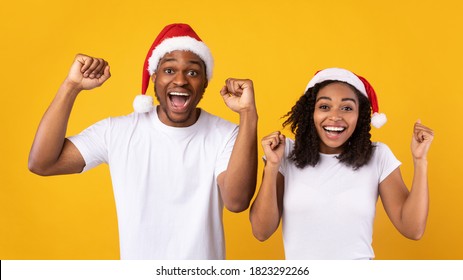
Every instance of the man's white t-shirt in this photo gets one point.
(328, 210)
(165, 182)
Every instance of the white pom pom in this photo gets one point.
(142, 103)
(378, 120)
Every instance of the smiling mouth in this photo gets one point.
(334, 129)
(179, 100)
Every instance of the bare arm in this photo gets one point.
(51, 152)
(408, 211)
(267, 208)
(238, 183)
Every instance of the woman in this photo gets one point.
(324, 185)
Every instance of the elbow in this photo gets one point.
(37, 168)
(261, 236)
(416, 236)
(34, 167)
(238, 203)
(237, 196)
(261, 229)
(237, 206)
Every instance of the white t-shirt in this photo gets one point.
(329, 209)
(165, 182)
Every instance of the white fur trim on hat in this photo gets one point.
(143, 103)
(337, 74)
(360, 83)
(378, 120)
(182, 43)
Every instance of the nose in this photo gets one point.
(335, 117)
(180, 79)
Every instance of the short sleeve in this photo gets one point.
(92, 143)
(224, 157)
(284, 161)
(387, 162)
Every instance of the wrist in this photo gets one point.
(249, 115)
(420, 162)
(71, 88)
(271, 165)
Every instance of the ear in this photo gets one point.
(153, 77)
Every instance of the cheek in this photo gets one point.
(318, 117)
(158, 84)
(317, 121)
(201, 86)
(200, 90)
(353, 122)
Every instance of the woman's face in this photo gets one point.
(335, 116)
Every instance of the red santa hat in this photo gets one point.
(360, 83)
(174, 37)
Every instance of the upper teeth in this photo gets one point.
(334, 128)
(179, 93)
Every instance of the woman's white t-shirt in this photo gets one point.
(328, 210)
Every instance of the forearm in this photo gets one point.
(416, 206)
(50, 135)
(265, 212)
(240, 180)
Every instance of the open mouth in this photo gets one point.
(179, 100)
(334, 129)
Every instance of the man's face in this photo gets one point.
(179, 82)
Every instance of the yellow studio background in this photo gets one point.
(411, 52)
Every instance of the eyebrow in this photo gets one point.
(344, 99)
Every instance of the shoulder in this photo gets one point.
(123, 123)
(129, 120)
(384, 160)
(289, 147)
(289, 141)
(383, 155)
(215, 122)
(129, 117)
(381, 149)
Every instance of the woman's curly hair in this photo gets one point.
(357, 150)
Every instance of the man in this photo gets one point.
(173, 167)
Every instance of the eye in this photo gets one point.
(193, 73)
(323, 107)
(347, 108)
(168, 71)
